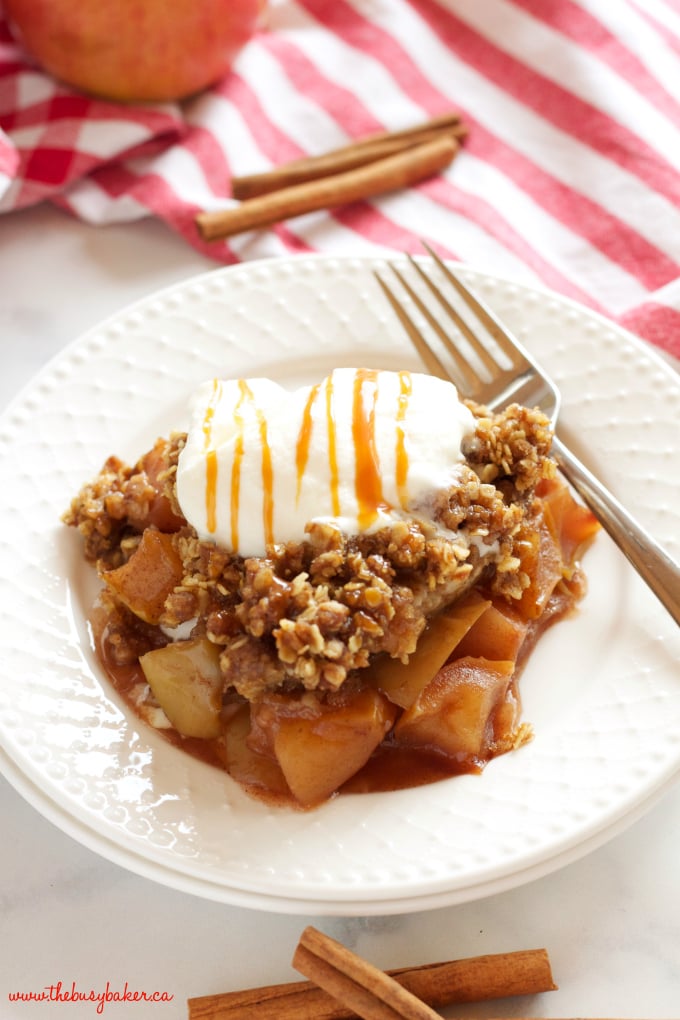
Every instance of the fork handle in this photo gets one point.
(652, 563)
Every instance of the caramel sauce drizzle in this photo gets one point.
(211, 459)
(401, 459)
(246, 394)
(267, 478)
(332, 449)
(367, 479)
(239, 446)
(304, 439)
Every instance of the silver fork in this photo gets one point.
(522, 380)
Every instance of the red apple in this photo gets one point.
(144, 50)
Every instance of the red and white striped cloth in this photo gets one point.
(569, 176)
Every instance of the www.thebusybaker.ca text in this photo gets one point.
(60, 992)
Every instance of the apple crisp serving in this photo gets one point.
(352, 657)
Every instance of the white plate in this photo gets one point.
(602, 689)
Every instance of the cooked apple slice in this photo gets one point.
(148, 577)
(573, 524)
(160, 514)
(453, 713)
(187, 683)
(319, 752)
(541, 559)
(403, 682)
(496, 635)
(247, 766)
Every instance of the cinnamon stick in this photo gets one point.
(354, 982)
(479, 978)
(359, 152)
(383, 175)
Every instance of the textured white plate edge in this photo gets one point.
(176, 879)
(643, 348)
(567, 851)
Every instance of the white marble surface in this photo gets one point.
(611, 921)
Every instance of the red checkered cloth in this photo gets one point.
(569, 176)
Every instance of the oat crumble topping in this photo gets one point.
(311, 613)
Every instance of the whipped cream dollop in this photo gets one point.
(360, 448)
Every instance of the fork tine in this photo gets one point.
(477, 346)
(467, 378)
(434, 365)
(507, 343)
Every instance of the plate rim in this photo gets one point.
(643, 347)
(196, 279)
